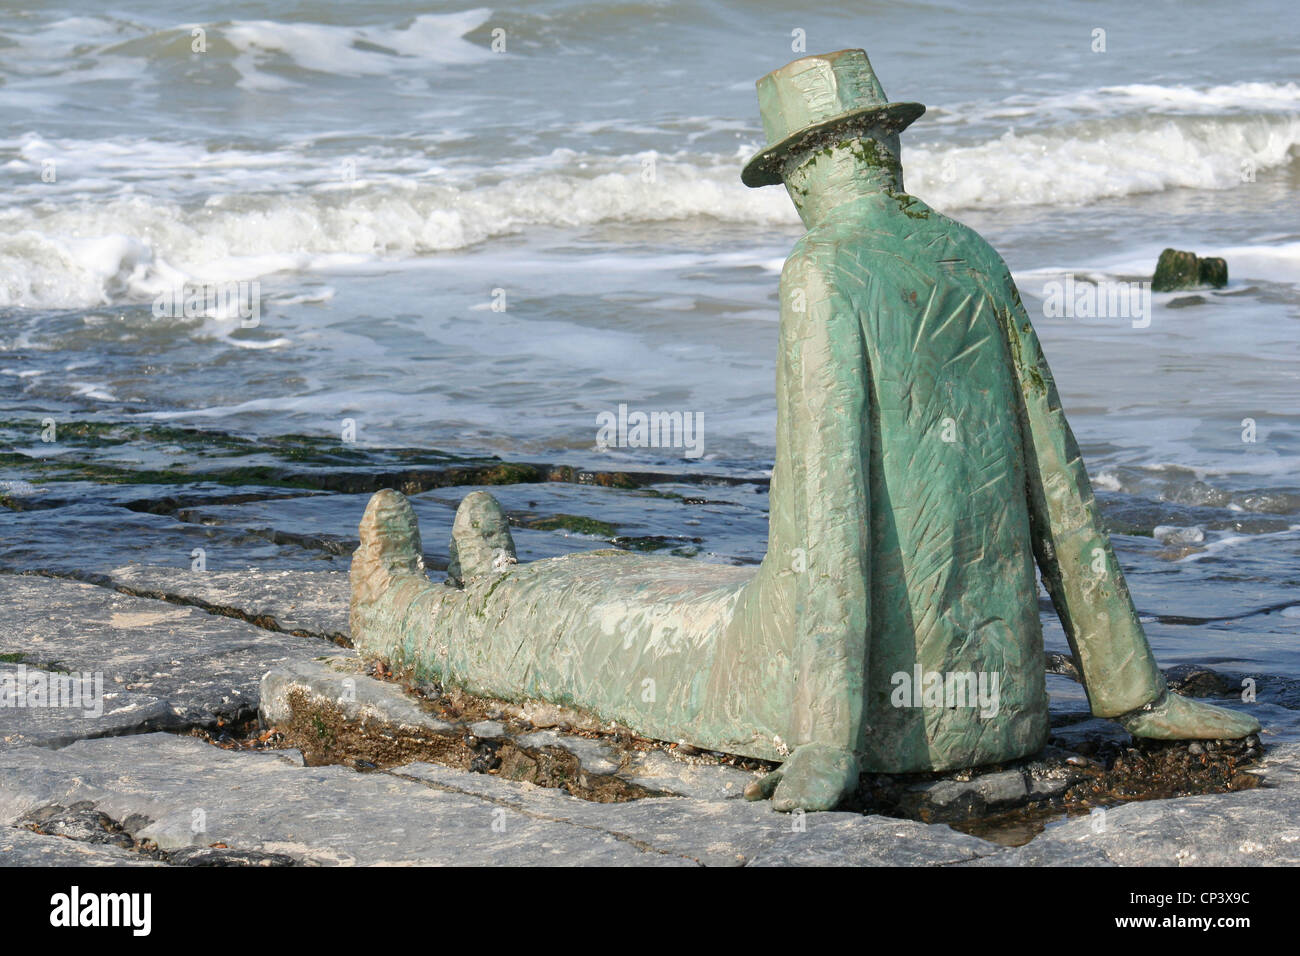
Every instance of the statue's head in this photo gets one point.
(820, 103)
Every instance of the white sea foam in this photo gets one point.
(1133, 98)
(1228, 541)
(351, 51)
(281, 211)
(1100, 159)
(96, 44)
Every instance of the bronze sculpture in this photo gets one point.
(923, 468)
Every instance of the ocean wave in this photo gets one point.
(351, 51)
(104, 248)
(259, 50)
(1102, 158)
(1134, 98)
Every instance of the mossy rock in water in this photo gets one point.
(1213, 272)
(1178, 270)
(575, 523)
(509, 473)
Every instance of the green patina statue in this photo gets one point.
(923, 466)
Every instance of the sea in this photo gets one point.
(477, 230)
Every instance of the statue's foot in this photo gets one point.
(390, 545)
(480, 539)
(390, 551)
(1176, 718)
(816, 777)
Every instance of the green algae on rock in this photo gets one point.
(1177, 270)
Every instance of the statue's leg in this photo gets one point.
(392, 602)
(390, 553)
(626, 637)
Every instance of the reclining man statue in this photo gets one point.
(923, 465)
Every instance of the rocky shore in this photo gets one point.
(236, 730)
(235, 725)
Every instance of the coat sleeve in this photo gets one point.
(803, 623)
(1073, 551)
(825, 402)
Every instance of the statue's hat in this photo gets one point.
(817, 97)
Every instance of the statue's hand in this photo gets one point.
(1176, 718)
(816, 777)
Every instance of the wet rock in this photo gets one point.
(81, 821)
(947, 800)
(1213, 272)
(223, 856)
(1051, 774)
(23, 847)
(1087, 735)
(1192, 680)
(1184, 270)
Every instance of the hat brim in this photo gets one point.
(765, 167)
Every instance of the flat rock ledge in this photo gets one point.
(488, 786)
(174, 798)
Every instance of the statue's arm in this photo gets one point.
(814, 589)
(1073, 550)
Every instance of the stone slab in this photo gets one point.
(181, 792)
(728, 832)
(161, 664)
(339, 679)
(314, 602)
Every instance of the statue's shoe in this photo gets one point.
(1176, 718)
(480, 539)
(815, 777)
